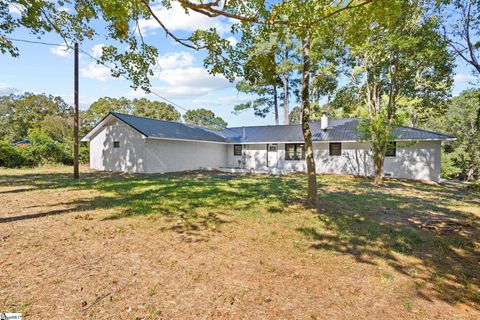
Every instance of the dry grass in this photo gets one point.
(205, 245)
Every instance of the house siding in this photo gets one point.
(233, 161)
(171, 156)
(413, 160)
(130, 155)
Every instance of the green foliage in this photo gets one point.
(204, 118)
(42, 150)
(10, 157)
(461, 158)
(84, 153)
(139, 107)
(474, 187)
(155, 109)
(453, 164)
(401, 69)
(295, 115)
(20, 113)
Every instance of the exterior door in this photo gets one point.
(272, 155)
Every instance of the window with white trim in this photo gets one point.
(294, 151)
(237, 149)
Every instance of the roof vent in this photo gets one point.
(324, 121)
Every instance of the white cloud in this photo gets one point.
(462, 78)
(61, 50)
(233, 41)
(186, 83)
(195, 77)
(171, 60)
(6, 89)
(176, 19)
(15, 9)
(97, 50)
(96, 71)
(229, 100)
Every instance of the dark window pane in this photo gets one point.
(116, 144)
(301, 151)
(237, 149)
(294, 151)
(289, 151)
(335, 149)
(391, 149)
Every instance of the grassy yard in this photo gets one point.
(204, 245)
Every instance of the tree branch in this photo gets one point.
(174, 37)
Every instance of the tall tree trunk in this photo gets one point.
(286, 92)
(472, 161)
(307, 133)
(275, 104)
(378, 161)
(285, 100)
(414, 119)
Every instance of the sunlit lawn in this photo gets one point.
(426, 234)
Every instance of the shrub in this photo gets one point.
(45, 150)
(84, 154)
(42, 150)
(10, 156)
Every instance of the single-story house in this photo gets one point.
(129, 143)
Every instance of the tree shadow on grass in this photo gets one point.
(357, 219)
(377, 223)
(192, 201)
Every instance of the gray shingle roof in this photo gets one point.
(169, 129)
(338, 130)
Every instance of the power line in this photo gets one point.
(125, 77)
(98, 61)
(39, 42)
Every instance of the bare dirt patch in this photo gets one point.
(216, 246)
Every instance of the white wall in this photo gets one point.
(419, 161)
(136, 154)
(129, 157)
(416, 161)
(171, 156)
(255, 156)
(232, 160)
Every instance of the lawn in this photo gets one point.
(204, 245)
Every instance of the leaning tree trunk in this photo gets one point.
(307, 133)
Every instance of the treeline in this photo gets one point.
(36, 129)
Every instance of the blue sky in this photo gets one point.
(181, 76)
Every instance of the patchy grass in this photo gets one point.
(214, 245)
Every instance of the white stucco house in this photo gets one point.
(128, 143)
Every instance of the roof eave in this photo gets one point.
(88, 137)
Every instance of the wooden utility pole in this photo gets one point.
(76, 174)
